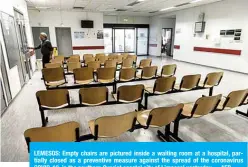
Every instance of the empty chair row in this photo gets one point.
(114, 126)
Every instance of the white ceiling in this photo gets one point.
(109, 7)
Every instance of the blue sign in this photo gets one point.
(153, 154)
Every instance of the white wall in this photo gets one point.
(8, 7)
(126, 20)
(228, 14)
(52, 19)
(156, 25)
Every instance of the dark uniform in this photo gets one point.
(46, 48)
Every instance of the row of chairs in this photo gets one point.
(113, 126)
(56, 76)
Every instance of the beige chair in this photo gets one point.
(83, 75)
(159, 117)
(58, 61)
(119, 59)
(73, 65)
(233, 100)
(86, 56)
(133, 57)
(113, 56)
(106, 75)
(94, 64)
(102, 59)
(148, 72)
(88, 59)
(99, 55)
(129, 93)
(162, 85)
(145, 63)
(66, 132)
(188, 82)
(93, 96)
(112, 126)
(124, 55)
(59, 58)
(127, 74)
(127, 63)
(212, 79)
(54, 76)
(74, 58)
(201, 107)
(53, 65)
(169, 70)
(110, 63)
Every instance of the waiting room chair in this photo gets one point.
(160, 117)
(162, 85)
(110, 63)
(53, 76)
(233, 100)
(66, 132)
(148, 72)
(94, 64)
(52, 65)
(124, 55)
(127, 74)
(169, 70)
(119, 59)
(145, 63)
(102, 59)
(113, 56)
(112, 126)
(71, 65)
(74, 58)
(99, 55)
(59, 58)
(83, 75)
(188, 82)
(86, 56)
(211, 80)
(88, 59)
(93, 96)
(106, 75)
(52, 99)
(133, 57)
(127, 63)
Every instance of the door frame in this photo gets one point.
(57, 40)
(171, 55)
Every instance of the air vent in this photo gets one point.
(121, 10)
(183, 4)
(78, 7)
(154, 11)
(134, 3)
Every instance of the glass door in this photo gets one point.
(129, 40)
(124, 40)
(119, 40)
(142, 41)
(108, 37)
(166, 41)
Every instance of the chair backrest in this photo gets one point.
(102, 59)
(83, 74)
(205, 105)
(53, 98)
(53, 65)
(235, 98)
(145, 63)
(57, 61)
(65, 132)
(124, 55)
(130, 93)
(59, 58)
(149, 72)
(113, 126)
(127, 63)
(110, 63)
(74, 58)
(119, 59)
(85, 56)
(89, 59)
(99, 55)
(106, 73)
(94, 64)
(164, 115)
(169, 70)
(190, 81)
(127, 74)
(213, 79)
(53, 74)
(113, 56)
(73, 65)
(93, 96)
(164, 84)
(133, 57)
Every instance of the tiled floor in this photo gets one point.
(221, 126)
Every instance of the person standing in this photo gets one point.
(46, 49)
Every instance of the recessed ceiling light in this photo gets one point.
(42, 7)
(168, 8)
(195, 1)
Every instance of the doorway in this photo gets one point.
(36, 37)
(64, 41)
(142, 41)
(124, 40)
(166, 44)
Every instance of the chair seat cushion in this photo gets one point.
(57, 83)
(201, 84)
(84, 82)
(177, 87)
(106, 80)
